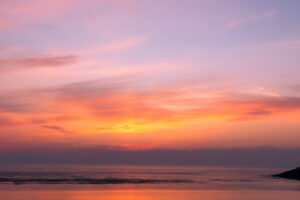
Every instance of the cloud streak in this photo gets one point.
(57, 128)
(116, 109)
(39, 61)
(237, 23)
(116, 100)
(116, 46)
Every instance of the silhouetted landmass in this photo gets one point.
(18, 181)
(292, 174)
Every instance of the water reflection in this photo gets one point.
(150, 195)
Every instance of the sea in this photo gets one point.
(96, 182)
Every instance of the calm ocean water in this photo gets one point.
(131, 182)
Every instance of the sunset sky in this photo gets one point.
(148, 74)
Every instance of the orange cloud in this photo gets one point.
(119, 107)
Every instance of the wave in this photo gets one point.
(18, 181)
(231, 180)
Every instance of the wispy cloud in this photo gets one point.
(57, 128)
(5, 121)
(236, 23)
(112, 107)
(14, 103)
(116, 46)
(18, 15)
(120, 45)
(293, 44)
(121, 99)
(22, 14)
(39, 61)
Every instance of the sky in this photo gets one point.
(149, 74)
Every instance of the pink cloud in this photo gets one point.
(236, 23)
(116, 46)
(22, 14)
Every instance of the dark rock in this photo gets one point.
(292, 174)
